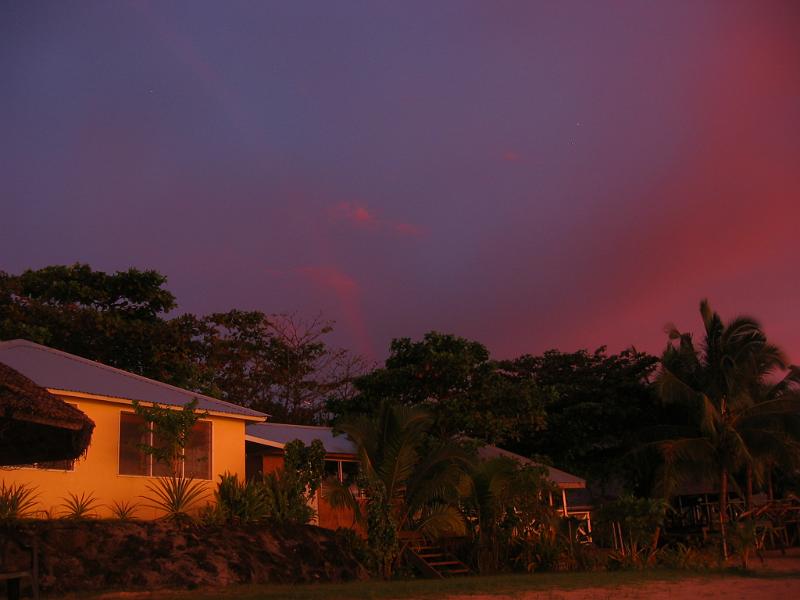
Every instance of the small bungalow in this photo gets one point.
(265, 443)
(114, 467)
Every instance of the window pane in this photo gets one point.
(132, 433)
(332, 469)
(197, 463)
(349, 472)
(163, 467)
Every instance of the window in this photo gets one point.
(134, 433)
(345, 471)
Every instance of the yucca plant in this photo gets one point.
(123, 509)
(176, 496)
(79, 507)
(17, 501)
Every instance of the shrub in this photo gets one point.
(634, 526)
(17, 501)
(742, 535)
(688, 557)
(123, 510)
(240, 501)
(176, 496)
(285, 498)
(79, 507)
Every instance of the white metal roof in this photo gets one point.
(561, 478)
(59, 370)
(280, 434)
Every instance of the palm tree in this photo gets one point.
(730, 426)
(411, 480)
(771, 430)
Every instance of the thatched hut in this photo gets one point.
(36, 426)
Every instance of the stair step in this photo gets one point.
(444, 563)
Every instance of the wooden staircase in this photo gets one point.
(434, 561)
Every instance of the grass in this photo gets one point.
(427, 588)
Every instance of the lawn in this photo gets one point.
(511, 585)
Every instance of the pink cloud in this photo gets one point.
(511, 156)
(361, 216)
(355, 213)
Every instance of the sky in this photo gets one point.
(532, 175)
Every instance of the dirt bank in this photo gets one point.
(98, 555)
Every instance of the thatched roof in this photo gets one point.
(35, 426)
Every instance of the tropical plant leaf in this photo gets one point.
(176, 496)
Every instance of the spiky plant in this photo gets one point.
(123, 509)
(79, 507)
(176, 497)
(240, 501)
(17, 501)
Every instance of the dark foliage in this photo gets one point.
(598, 407)
(455, 379)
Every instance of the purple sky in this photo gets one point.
(527, 174)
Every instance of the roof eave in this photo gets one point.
(129, 402)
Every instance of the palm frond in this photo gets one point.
(340, 496)
(441, 520)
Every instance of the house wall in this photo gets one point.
(98, 472)
(327, 516)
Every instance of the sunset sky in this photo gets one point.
(527, 174)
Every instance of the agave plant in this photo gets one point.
(79, 507)
(123, 510)
(176, 496)
(17, 501)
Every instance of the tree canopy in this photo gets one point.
(454, 378)
(278, 364)
(598, 405)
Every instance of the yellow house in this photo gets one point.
(115, 469)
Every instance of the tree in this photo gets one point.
(772, 431)
(597, 405)
(715, 385)
(278, 364)
(456, 381)
(118, 319)
(411, 480)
